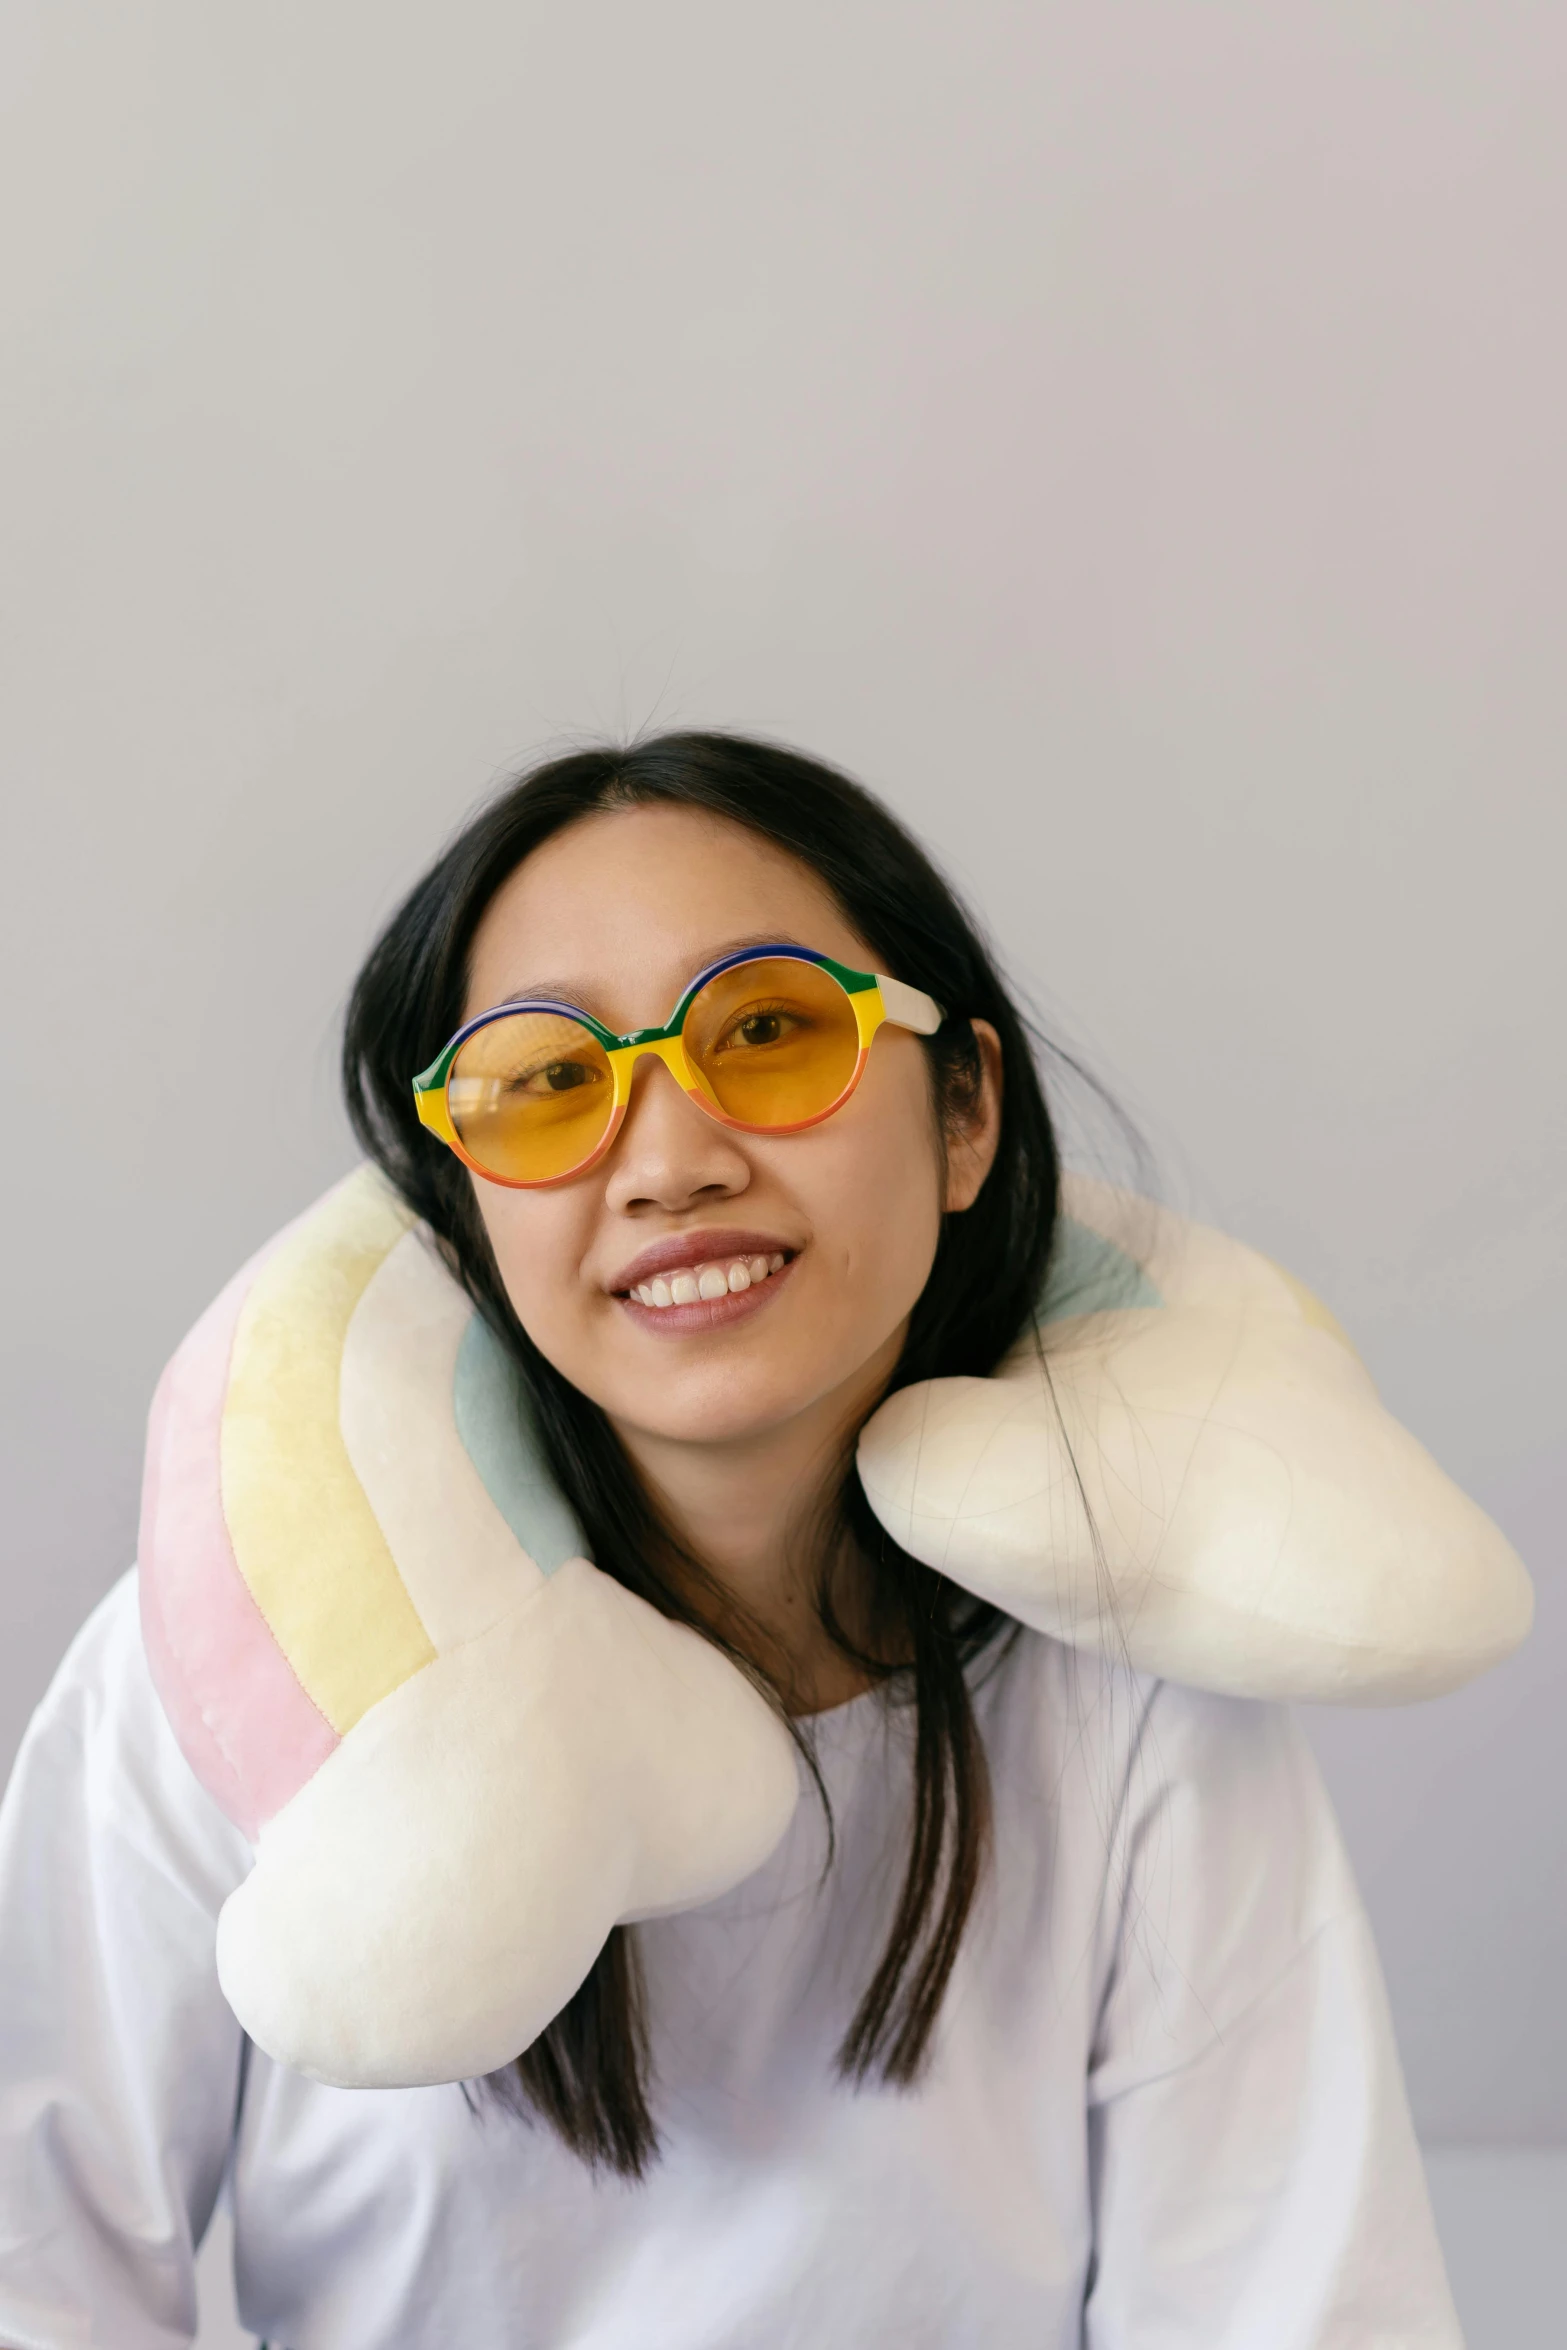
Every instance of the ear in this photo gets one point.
(972, 1138)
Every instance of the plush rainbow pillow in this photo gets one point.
(1193, 1472)
(463, 1754)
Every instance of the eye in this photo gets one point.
(758, 1026)
(554, 1077)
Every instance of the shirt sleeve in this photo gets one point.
(1254, 2171)
(120, 2061)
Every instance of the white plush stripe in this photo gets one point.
(1188, 1263)
(1208, 1489)
(437, 1891)
(462, 1564)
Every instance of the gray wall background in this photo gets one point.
(1129, 436)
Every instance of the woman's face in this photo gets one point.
(617, 914)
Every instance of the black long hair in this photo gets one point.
(587, 2074)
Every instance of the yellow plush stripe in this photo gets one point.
(304, 1535)
(1313, 1310)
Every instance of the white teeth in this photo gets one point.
(707, 1282)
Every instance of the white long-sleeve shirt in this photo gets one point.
(1164, 2110)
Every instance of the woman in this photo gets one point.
(1053, 2019)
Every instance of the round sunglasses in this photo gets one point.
(770, 1040)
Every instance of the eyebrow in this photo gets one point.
(563, 991)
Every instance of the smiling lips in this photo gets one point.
(692, 1282)
(719, 1278)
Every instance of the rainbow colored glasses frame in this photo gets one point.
(770, 1041)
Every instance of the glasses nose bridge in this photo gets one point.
(667, 1049)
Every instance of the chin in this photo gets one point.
(710, 1407)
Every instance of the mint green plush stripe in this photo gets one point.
(496, 1427)
(1090, 1275)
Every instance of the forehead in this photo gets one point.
(617, 912)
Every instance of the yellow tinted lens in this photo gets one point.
(774, 1042)
(531, 1096)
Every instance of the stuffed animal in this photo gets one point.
(464, 1754)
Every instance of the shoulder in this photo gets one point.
(1173, 1802)
(101, 1689)
(100, 1759)
(1055, 1716)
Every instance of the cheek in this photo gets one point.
(537, 1247)
(876, 1185)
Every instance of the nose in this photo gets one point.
(668, 1154)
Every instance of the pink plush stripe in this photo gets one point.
(245, 1725)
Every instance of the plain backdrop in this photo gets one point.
(1129, 436)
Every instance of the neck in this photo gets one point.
(749, 1509)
